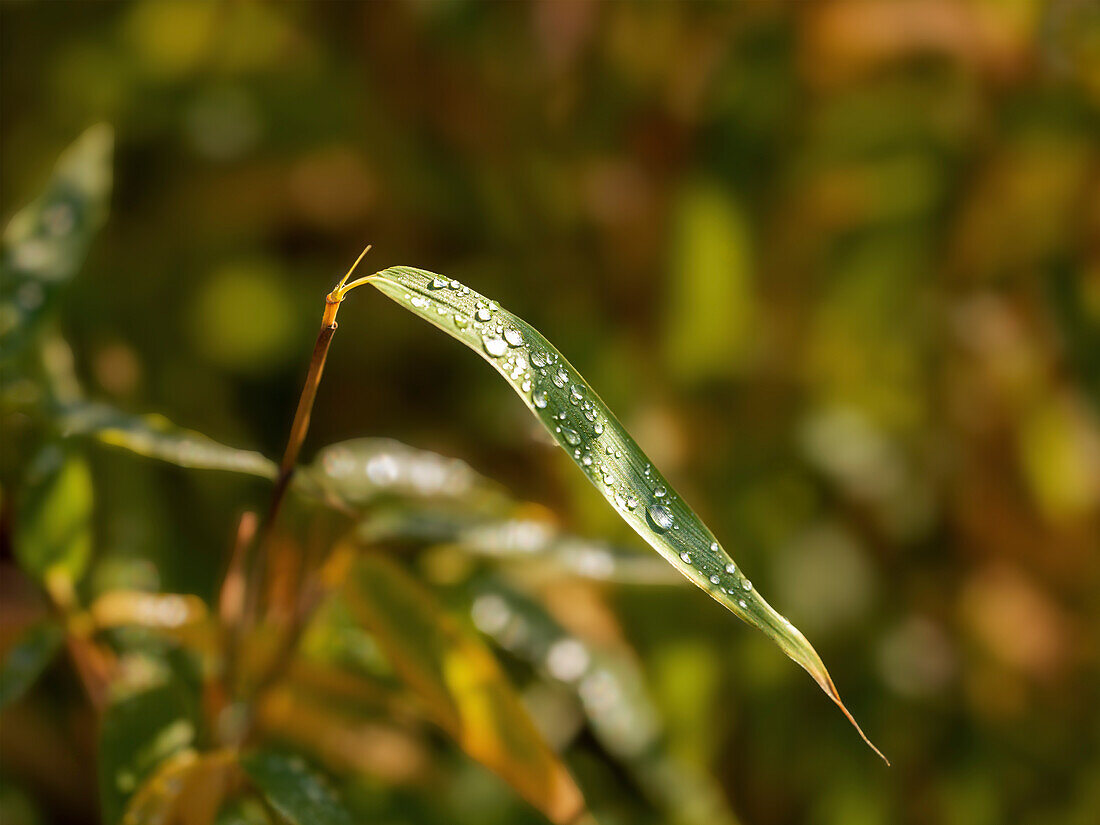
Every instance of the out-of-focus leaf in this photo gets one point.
(710, 301)
(182, 617)
(45, 242)
(588, 431)
(186, 788)
(461, 685)
(138, 733)
(611, 689)
(53, 536)
(27, 658)
(365, 470)
(297, 792)
(245, 811)
(154, 436)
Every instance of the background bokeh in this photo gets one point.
(835, 264)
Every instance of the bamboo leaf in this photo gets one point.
(365, 470)
(28, 657)
(588, 431)
(461, 685)
(45, 242)
(295, 791)
(154, 436)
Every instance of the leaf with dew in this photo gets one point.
(579, 421)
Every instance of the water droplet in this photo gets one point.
(455, 284)
(685, 557)
(660, 492)
(495, 346)
(742, 603)
(494, 306)
(461, 321)
(538, 398)
(560, 377)
(577, 391)
(731, 568)
(482, 314)
(437, 283)
(746, 584)
(631, 502)
(525, 386)
(660, 517)
(538, 358)
(514, 337)
(714, 547)
(571, 436)
(587, 460)
(598, 428)
(714, 579)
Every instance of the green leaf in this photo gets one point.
(154, 436)
(293, 789)
(364, 471)
(139, 732)
(460, 684)
(53, 535)
(588, 431)
(45, 243)
(27, 658)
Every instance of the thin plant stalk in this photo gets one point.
(256, 565)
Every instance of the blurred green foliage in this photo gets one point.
(834, 263)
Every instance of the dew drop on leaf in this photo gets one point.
(660, 517)
(495, 346)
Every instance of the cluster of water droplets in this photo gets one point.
(542, 377)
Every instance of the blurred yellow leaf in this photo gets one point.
(462, 686)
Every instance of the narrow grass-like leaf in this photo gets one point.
(45, 243)
(364, 471)
(295, 790)
(588, 431)
(461, 685)
(28, 657)
(154, 436)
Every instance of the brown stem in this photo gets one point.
(257, 563)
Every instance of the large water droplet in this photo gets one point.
(571, 436)
(660, 492)
(747, 584)
(660, 517)
(482, 314)
(714, 579)
(577, 391)
(538, 358)
(538, 398)
(495, 346)
(437, 283)
(513, 336)
(685, 557)
(598, 428)
(461, 321)
(714, 547)
(560, 377)
(731, 568)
